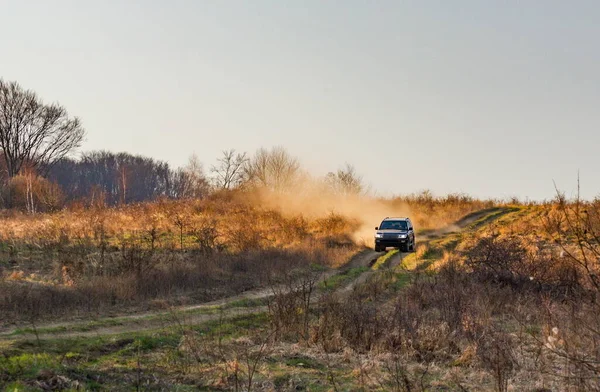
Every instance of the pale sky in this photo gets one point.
(491, 98)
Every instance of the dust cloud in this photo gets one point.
(313, 199)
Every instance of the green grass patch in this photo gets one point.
(246, 303)
(492, 216)
(75, 327)
(18, 386)
(401, 280)
(409, 262)
(382, 260)
(338, 280)
(304, 362)
(432, 252)
(28, 364)
(146, 340)
(318, 267)
(447, 243)
(234, 327)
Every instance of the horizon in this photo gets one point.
(491, 101)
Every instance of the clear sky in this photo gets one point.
(491, 98)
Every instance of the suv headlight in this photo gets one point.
(378, 235)
(401, 235)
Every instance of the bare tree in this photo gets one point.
(229, 172)
(275, 169)
(191, 183)
(33, 133)
(118, 177)
(345, 181)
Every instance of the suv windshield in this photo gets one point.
(393, 225)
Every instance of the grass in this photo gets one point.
(81, 327)
(382, 260)
(304, 362)
(495, 214)
(246, 303)
(24, 360)
(401, 280)
(336, 281)
(27, 364)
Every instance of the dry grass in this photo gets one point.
(89, 261)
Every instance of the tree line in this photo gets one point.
(39, 173)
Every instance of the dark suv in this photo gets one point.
(396, 233)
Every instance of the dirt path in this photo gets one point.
(137, 324)
(487, 215)
(214, 310)
(491, 214)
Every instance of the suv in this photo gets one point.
(395, 232)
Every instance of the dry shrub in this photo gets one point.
(290, 306)
(522, 263)
(495, 352)
(365, 326)
(326, 333)
(569, 342)
(293, 229)
(507, 278)
(395, 375)
(360, 324)
(498, 259)
(206, 234)
(244, 233)
(332, 224)
(101, 241)
(431, 320)
(195, 276)
(28, 192)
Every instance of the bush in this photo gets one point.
(32, 194)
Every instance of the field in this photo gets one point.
(231, 293)
(180, 208)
